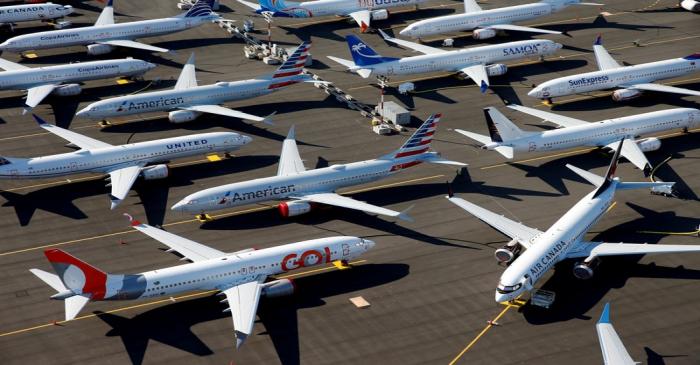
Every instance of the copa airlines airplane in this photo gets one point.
(506, 138)
(362, 11)
(478, 63)
(487, 23)
(102, 37)
(303, 188)
(564, 239)
(26, 13)
(241, 276)
(62, 79)
(187, 101)
(614, 351)
(630, 81)
(123, 163)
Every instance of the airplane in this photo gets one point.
(487, 23)
(62, 79)
(630, 81)
(187, 101)
(614, 351)
(506, 138)
(241, 276)
(299, 189)
(362, 11)
(26, 13)
(565, 238)
(691, 5)
(123, 163)
(102, 37)
(478, 63)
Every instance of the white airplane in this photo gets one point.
(362, 11)
(62, 79)
(301, 188)
(478, 63)
(506, 138)
(565, 238)
(487, 23)
(614, 351)
(630, 81)
(187, 101)
(123, 163)
(691, 5)
(241, 276)
(102, 37)
(26, 13)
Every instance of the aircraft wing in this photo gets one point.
(37, 93)
(72, 137)
(414, 46)
(632, 152)
(361, 17)
(243, 302)
(220, 110)
(188, 76)
(133, 44)
(189, 249)
(478, 74)
(11, 66)
(510, 228)
(253, 6)
(350, 203)
(614, 351)
(122, 180)
(290, 161)
(520, 28)
(664, 89)
(471, 6)
(597, 249)
(557, 119)
(602, 57)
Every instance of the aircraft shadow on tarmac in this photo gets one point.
(576, 297)
(654, 358)
(171, 324)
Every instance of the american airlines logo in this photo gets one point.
(186, 144)
(522, 50)
(588, 80)
(258, 194)
(130, 105)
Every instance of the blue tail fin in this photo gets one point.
(200, 8)
(363, 54)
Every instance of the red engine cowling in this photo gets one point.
(278, 288)
(483, 33)
(625, 94)
(649, 144)
(155, 172)
(294, 208)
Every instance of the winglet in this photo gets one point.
(268, 119)
(114, 201)
(404, 214)
(383, 34)
(291, 134)
(133, 221)
(483, 87)
(598, 40)
(605, 316)
(190, 61)
(240, 339)
(39, 120)
(109, 3)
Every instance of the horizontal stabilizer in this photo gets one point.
(344, 62)
(50, 279)
(432, 157)
(644, 185)
(74, 305)
(592, 178)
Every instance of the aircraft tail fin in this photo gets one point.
(501, 129)
(106, 16)
(420, 141)
(294, 65)
(78, 276)
(601, 182)
(73, 303)
(200, 8)
(363, 54)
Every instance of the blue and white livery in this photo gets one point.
(614, 351)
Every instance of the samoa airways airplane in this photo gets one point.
(487, 23)
(26, 13)
(62, 79)
(304, 188)
(564, 239)
(506, 138)
(102, 37)
(631, 81)
(478, 63)
(242, 276)
(123, 163)
(187, 101)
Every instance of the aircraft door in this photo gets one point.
(532, 146)
(346, 250)
(73, 166)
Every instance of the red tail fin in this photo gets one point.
(77, 275)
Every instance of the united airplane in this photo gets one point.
(26, 13)
(187, 100)
(565, 238)
(478, 63)
(362, 11)
(630, 81)
(242, 277)
(63, 79)
(102, 37)
(487, 23)
(123, 163)
(299, 189)
(506, 138)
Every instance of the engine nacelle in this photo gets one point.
(156, 172)
(497, 69)
(68, 90)
(508, 252)
(625, 94)
(483, 33)
(691, 5)
(294, 208)
(649, 144)
(380, 14)
(182, 116)
(585, 270)
(99, 49)
(278, 288)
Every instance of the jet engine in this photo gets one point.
(508, 252)
(625, 94)
(278, 288)
(483, 33)
(182, 116)
(294, 208)
(497, 69)
(585, 270)
(68, 90)
(649, 144)
(380, 14)
(99, 49)
(155, 172)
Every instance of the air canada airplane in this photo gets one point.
(26, 13)
(565, 238)
(102, 37)
(506, 138)
(241, 276)
(302, 189)
(123, 163)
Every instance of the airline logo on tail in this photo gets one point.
(364, 55)
(201, 8)
(78, 276)
(294, 65)
(420, 140)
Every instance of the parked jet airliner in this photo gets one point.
(303, 188)
(565, 238)
(123, 163)
(614, 351)
(26, 13)
(241, 276)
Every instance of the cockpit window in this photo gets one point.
(4, 161)
(505, 289)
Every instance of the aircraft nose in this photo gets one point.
(180, 206)
(558, 45)
(500, 298)
(82, 113)
(246, 139)
(405, 31)
(535, 93)
(150, 66)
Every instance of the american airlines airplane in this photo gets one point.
(26, 13)
(241, 276)
(631, 81)
(614, 351)
(565, 238)
(362, 11)
(506, 138)
(102, 37)
(301, 188)
(187, 101)
(487, 23)
(62, 79)
(123, 163)
(478, 63)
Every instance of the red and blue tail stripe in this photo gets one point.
(421, 139)
(295, 62)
